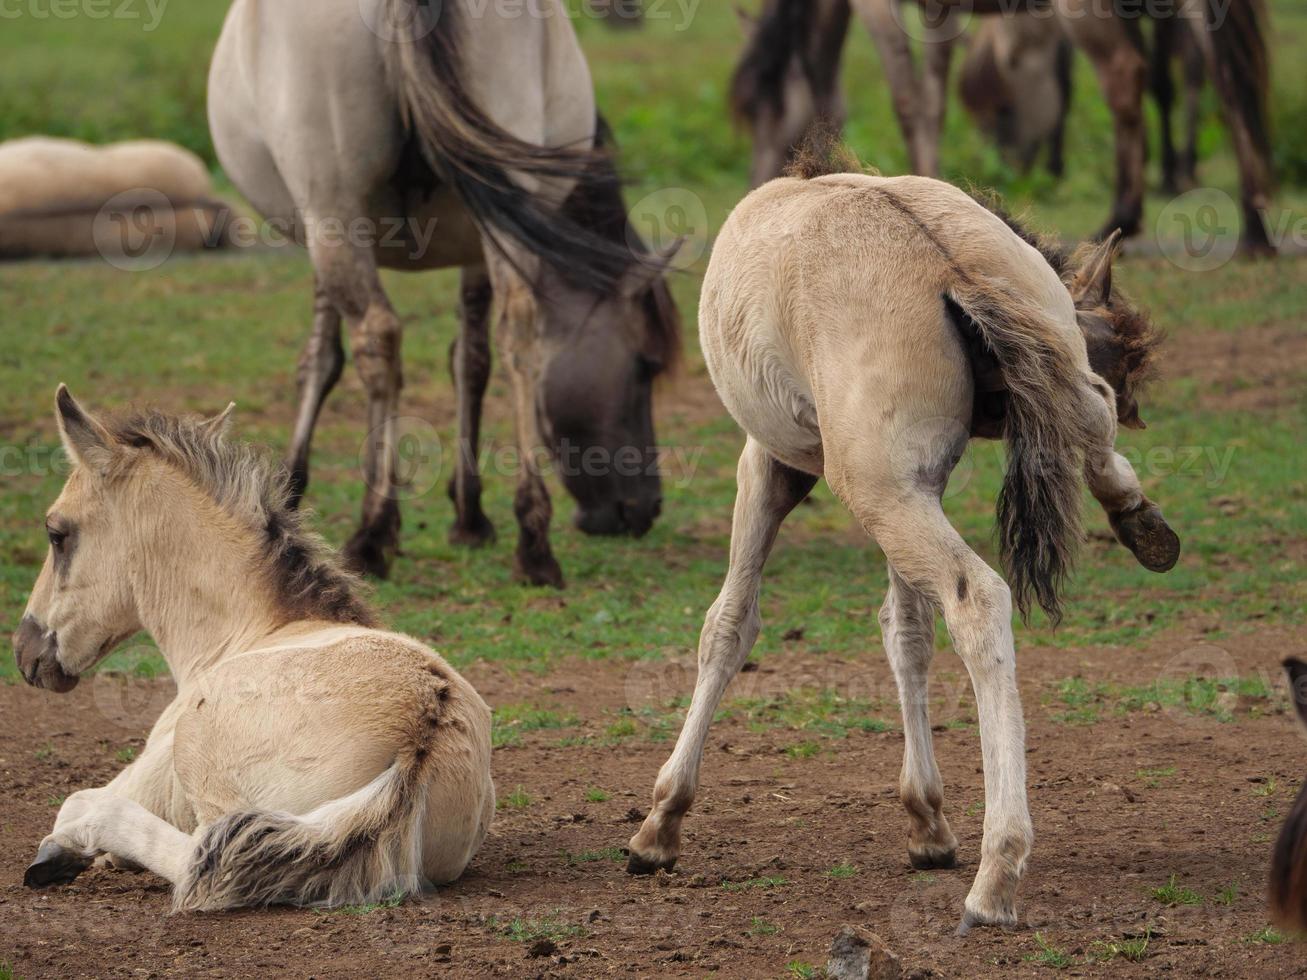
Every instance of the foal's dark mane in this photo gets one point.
(306, 575)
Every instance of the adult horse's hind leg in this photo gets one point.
(470, 365)
(320, 367)
(348, 275)
(907, 621)
(767, 491)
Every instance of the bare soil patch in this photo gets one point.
(782, 849)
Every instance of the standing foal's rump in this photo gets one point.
(863, 329)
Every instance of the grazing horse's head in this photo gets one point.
(1119, 337)
(82, 605)
(602, 355)
(1289, 861)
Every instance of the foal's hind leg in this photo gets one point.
(97, 821)
(1136, 520)
(320, 367)
(470, 366)
(907, 621)
(767, 492)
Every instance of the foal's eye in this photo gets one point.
(56, 536)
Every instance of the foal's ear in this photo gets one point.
(1092, 285)
(640, 277)
(1297, 671)
(86, 440)
(218, 425)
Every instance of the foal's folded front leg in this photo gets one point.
(1136, 521)
(96, 821)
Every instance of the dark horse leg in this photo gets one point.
(320, 366)
(347, 274)
(470, 365)
(1162, 85)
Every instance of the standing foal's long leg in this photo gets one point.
(97, 821)
(470, 366)
(907, 622)
(319, 369)
(767, 492)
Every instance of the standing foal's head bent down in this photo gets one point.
(863, 329)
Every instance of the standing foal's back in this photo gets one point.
(863, 329)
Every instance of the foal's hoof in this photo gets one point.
(55, 866)
(971, 920)
(1145, 532)
(637, 864)
(932, 859)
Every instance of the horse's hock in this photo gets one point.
(132, 203)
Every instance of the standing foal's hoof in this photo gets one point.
(1145, 532)
(55, 866)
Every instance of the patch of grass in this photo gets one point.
(606, 854)
(126, 754)
(522, 930)
(516, 800)
(1226, 895)
(45, 753)
(1134, 949)
(761, 927)
(393, 902)
(1269, 936)
(823, 712)
(1152, 778)
(56, 801)
(515, 867)
(513, 720)
(802, 970)
(7, 972)
(802, 750)
(773, 881)
(1048, 954)
(596, 795)
(1175, 894)
(974, 808)
(922, 878)
(1267, 788)
(622, 728)
(842, 870)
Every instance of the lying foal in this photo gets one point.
(309, 757)
(863, 329)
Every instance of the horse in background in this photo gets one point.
(395, 115)
(864, 329)
(786, 80)
(1289, 859)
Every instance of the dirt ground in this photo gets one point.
(1120, 806)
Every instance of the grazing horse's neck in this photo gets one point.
(205, 600)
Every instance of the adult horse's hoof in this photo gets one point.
(55, 866)
(932, 859)
(367, 554)
(970, 920)
(637, 864)
(540, 571)
(1145, 532)
(476, 533)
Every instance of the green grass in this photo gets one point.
(1152, 778)
(1268, 936)
(513, 720)
(750, 884)
(802, 970)
(7, 972)
(1134, 950)
(1174, 894)
(516, 800)
(522, 930)
(1048, 954)
(125, 754)
(1227, 895)
(393, 902)
(842, 870)
(201, 331)
(761, 927)
(606, 854)
(596, 795)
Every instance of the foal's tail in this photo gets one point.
(1047, 432)
(362, 848)
(483, 162)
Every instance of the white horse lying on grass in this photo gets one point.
(864, 329)
(309, 757)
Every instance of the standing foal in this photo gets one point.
(864, 329)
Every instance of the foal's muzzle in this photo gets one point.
(37, 651)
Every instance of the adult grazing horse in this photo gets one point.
(309, 757)
(386, 134)
(785, 81)
(1289, 860)
(863, 329)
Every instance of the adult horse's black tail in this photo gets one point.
(482, 161)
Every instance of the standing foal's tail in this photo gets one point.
(483, 162)
(358, 849)
(1047, 432)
